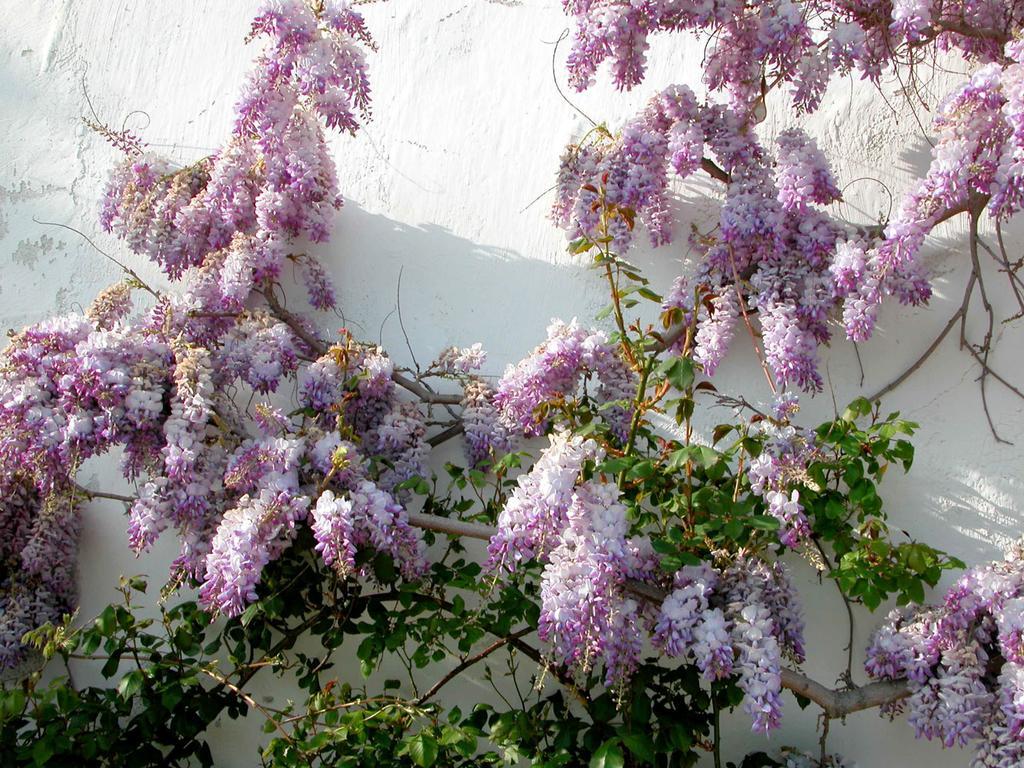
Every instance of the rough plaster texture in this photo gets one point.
(447, 188)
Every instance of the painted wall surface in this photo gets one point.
(448, 187)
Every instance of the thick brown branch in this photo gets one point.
(453, 527)
(985, 348)
(715, 171)
(844, 702)
(316, 345)
(424, 394)
(442, 437)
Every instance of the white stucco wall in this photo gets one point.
(467, 132)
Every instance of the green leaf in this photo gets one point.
(650, 295)
(679, 372)
(250, 613)
(640, 744)
(859, 407)
(41, 752)
(130, 684)
(423, 749)
(915, 591)
(641, 470)
(763, 522)
(680, 737)
(608, 755)
(580, 245)
(106, 622)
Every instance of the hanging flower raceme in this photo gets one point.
(741, 619)
(782, 465)
(274, 180)
(963, 662)
(585, 614)
(554, 371)
(770, 257)
(536, 513)
(486, 435)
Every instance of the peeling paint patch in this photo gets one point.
(62, 301)
(29, 252)
(18, 194)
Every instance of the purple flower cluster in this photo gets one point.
(554, 371)
(334, 531)
(740, 620)
(455, 361)
(689, 627)
(781, 465)
(157, 385)
(774, 246)
(486, 436)
(37, 564)
(780, 40)
(603, 183)
(537, 511)
(775, 254)
(766, 623)
(351, 382)
(585, 614)
(273, 180)
(771, 40)
(367, 517)
(974, 143)
(963, 662)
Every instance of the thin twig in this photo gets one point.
(401, 324)
(248, 699)
(982, 353)
(554, 78)
(931, 347)
(823, 741)
(468, 662)
(125, 268)
(90, 494)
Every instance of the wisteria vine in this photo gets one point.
(622, 539)
(776, 253)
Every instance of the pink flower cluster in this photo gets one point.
(156, 385)
(771, 254)
(274, 180)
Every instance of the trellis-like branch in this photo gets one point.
(835, 703)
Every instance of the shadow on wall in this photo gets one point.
(453, 291)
